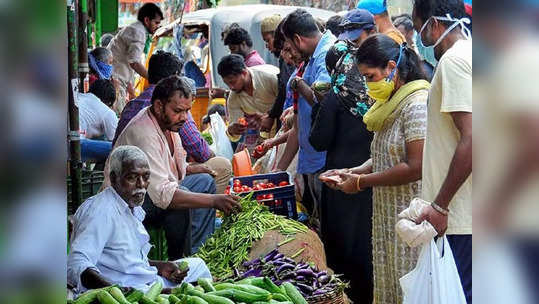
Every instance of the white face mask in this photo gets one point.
(465, 31)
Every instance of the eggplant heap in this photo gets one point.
(229, 246)
(280, 269)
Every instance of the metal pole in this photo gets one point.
(75, 163)
(98, 31)
(83, 44)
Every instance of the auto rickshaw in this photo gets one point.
(205, 27)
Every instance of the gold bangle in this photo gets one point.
(357, 182)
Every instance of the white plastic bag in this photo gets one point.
(221, 144)
(435, 279)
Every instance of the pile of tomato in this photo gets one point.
(239, 188)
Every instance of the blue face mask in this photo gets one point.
(426, 52)
(104, 71)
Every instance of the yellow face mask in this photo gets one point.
(381, 90)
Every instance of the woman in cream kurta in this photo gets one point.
(392, 258)
(394, 170)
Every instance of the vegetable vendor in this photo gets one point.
(184, 206)
(109, 243)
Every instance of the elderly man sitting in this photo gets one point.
(110, 245)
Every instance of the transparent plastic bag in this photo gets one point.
(221, 144)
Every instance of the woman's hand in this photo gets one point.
(331, 177)
(349, 183)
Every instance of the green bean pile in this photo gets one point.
(229, 246)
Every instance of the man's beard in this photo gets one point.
(139, 202)
(174, 127)
(168, 123)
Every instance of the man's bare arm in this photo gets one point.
(292, 146)
(140, 69)
(91, 279)
(461, 164)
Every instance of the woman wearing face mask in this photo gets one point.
(396, 81)
(337, 128)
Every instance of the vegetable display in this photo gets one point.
(91, 295)
(113, 295)
(281, 269)
(254, 291)
(240, 188)
(226, 250)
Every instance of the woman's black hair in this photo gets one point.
(377, 50)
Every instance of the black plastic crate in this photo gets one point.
(284, 198)
(91, 182)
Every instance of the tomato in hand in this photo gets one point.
(242, 121)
